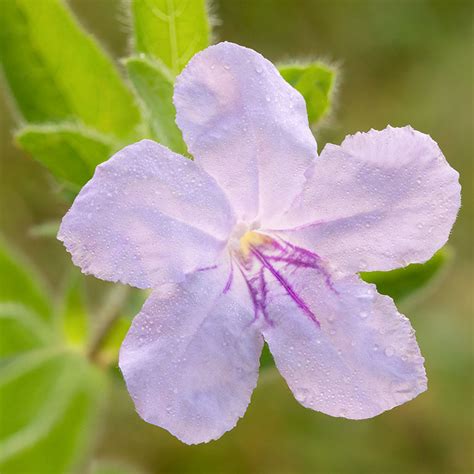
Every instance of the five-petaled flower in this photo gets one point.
(260, 239)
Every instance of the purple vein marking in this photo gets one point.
(285, 284)
(257, 287)
(253, 295)
(305, 259)
(264, 293)
(230, 278)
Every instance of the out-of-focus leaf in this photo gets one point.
(71, 153)
(128, 310)
(45, 229)
(112, 343)
(48, 394)
(20, 284)
(21, 329)
(48, 403)
(266, 358)
(405, 282)
(170, 31)
(154, 87)
(74, 312)
(315, 82)
(57, 72)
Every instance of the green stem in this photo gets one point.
(107, 317)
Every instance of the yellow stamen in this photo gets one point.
(251, 239)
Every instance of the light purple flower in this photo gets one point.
(259, 238)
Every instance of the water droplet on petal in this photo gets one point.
(389, 351)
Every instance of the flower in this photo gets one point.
(259, 238)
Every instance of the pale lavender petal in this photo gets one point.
(191, 357)
(148, 216)
(343, 348)
(247, 127)
(381, 200)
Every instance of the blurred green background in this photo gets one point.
(400, 62)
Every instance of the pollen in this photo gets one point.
(251, 239)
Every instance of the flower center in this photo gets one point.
(265, 261)
(244, 237)
(251, 239)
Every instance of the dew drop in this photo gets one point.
(389, 351)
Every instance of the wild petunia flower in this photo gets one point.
(259, 238)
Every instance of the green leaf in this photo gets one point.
(74, 312)
(71, 153)
(57, 72)
(266, 358)
(20, 284)
(21, 329)
(170, 31)
(48, 402)
(49, 395)
(315, 81)
(45, 229)
(154, 87)
(405, 282)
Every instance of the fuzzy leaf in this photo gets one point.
(155, 90)
(71, 153)
(315, 82)
(57, 72)
(170, 31)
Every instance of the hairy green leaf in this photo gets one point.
(171, 31)
(57, 72)
(405, 282)
(71, 153)
(315, 82)
(154, 87)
